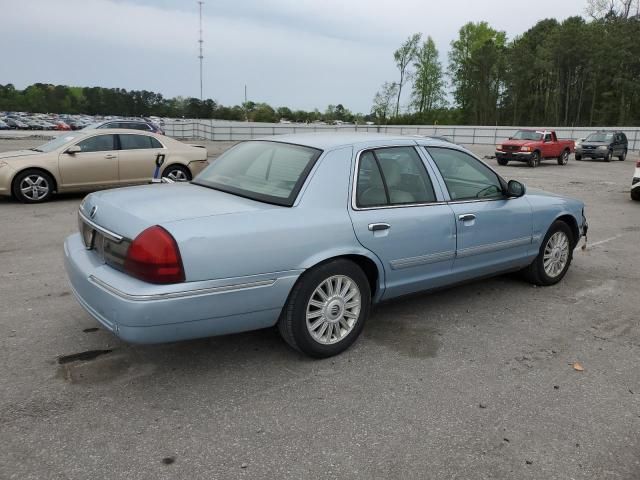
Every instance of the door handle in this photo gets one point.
(466, 217)
(109, 155)
(376, 227)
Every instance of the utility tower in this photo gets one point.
(200, 41)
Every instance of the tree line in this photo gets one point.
(47, 98)
(572, 73)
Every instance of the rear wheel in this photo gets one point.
(554, 258)
(502, 161)
(33, 186)
(534, 160)
(326, 310)
(563, 159)
(623, 157)
(177, 173)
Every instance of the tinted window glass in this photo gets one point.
(466, 177)
(547, 137)
(136, 126)
(404, 179)
(266, 171)
(155, 143)
(99, 143)
(370, 191)
(134, 142)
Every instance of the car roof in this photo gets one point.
(105, 131)
(332, 140)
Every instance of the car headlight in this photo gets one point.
(525, 149)
(498, 147)
(603, 147)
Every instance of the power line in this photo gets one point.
(200, 41)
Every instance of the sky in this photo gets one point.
(303, 54)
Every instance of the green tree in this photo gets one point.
(428, 81)
(403, 58)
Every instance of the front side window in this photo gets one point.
(527, 135)
(134, 142)
(270, 172)
(547, 137)
(99, 143)
(466, 178)
(392, 176)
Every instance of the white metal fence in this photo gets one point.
(468, 135)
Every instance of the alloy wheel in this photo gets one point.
(34, 187)
(556, 254)
(333, 309)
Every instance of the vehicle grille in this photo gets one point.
(511, 148)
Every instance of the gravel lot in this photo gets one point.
(469, 383)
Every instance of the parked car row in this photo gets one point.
(38, 121)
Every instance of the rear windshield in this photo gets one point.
(527, 135)
(600, 137)
(269, 172)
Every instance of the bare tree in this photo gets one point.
(404, 56)
(598, 9)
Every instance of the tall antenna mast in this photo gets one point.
(200, 41)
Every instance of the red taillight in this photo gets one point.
(154, 257)
(638, 164)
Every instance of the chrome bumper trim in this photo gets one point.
(181, 294)
(107, 233)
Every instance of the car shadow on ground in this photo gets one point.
(412, 326)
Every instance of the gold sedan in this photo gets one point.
(95, 159)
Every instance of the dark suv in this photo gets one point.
(605, 145)
(132, 124)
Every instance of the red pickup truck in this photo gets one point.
(533, 146)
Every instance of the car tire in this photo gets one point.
(502, 161)
(608, 156)
(534, 160)
(554, 257)
(563, 159)
(319, 321)
(623, 157)
(177, 173)
(33, 186)
(578, 157)
(635, 194)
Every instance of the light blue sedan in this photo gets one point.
(307, 232)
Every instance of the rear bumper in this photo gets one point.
(139, 312)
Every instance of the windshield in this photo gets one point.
(269, 172)
(600, 137)
(527, 135)
(55, 143)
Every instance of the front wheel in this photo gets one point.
(578, 157)
(635, 194)
(33, 186)
(534, 160)
(327, 309)
(554, 257)
(609, 156)
(503, 161)
(563, 159)
(623, 157)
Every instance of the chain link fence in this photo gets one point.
(466, 135)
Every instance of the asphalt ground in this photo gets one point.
(473, 382)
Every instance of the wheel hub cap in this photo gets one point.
(333, 309)
(556, 254)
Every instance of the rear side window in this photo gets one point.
(466, 178)
(392, 176)
(137, 126)
(134, 142)
(155, 143)
(99, 143)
